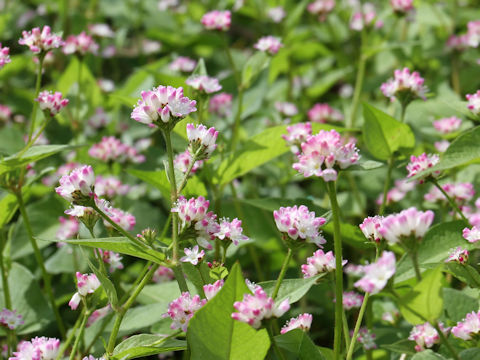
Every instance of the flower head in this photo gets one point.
(299, 222)
(447, 125)
(38, 348)
(4, 56)
(297, 134)
(458, 254)
(99, 314)
(86, 284)
(366, 338)
(231, 230)
(111, 258)
(474, 102)
(183, 160)
(405, 86)
(163, 105)
(10, 319)
(204, 83)
(425, 335)
(69, 227)
(468, 327)
(377, 274)
(217, 20)
(77, 187)
(163, 274)
(269, 44)
(181, 310)
(321, 8)
(286, 108)
(370, 228)
(460, 192)
(323, 113)
(473, 33)
(183, 64)
(352, 300)
(302, 322)
(221, 104)
(402, 7)
(40, 41)
(422, 163)
(471, 235)
(193, 256)
(111, 149)
(81, 44)
(52, 102)
(191, 210)
(254, 308)
(323, 154)
(276, 14)
(319, 263)
(110, 186)
(122, 218)
(211, 290)
(364, 17)
(201, 140)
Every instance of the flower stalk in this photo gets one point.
(449, 199)
(283, 270)
(38, 84)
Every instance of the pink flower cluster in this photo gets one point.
(122, 218)
(276, 14)
(81, 44)
(98, 120)
(254, 308)
(4, 56)
(5, 113)
(231, 230)
(201, 140)
(286, 108)
(371, 228)
(473, 33)
(402, 6)
(302, 322)
(364, 17)
(460, 192)
(204, 83)
(162, 105)
(38, 348)
(458, 254)
(269, 44)
(471, 235)
(319, 263)
(474, 102)
(111, 258)
(182, 309)
(110, 186)
(421, 163)
(77, 187)
(68, 229)
(405, 85)
(447, 125)
(297, 134)
(321, 8)
(210, 290)
(377, 274)
(53, 102)
(323, 113)
(299, 222)
(457, 43)
(193, 256)
(323, 154)
(183, 64)
(183, 160)
(163, 274)
(221, 104)
(352, 300)
(409, 222)
(10, 319)
(86, 284)
(112, 149)
(425, 335)
(217, 20)
(366, 338)
(468, 327)
(40, 41)
(99, 314)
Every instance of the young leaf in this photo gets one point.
(253, 67)
(465, 273)
(293, 289)
(213, 334)
(143, 345)
(384, 135)
(299, 344)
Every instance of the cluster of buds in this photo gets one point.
(38, 348)
(366, 338)
(402, 7)
(323, 154)
(110, 186)
(276, 14)
(201, 141)
(377, 274)
(447, 125)
(86, 284)
(405, 86)
(297, 134)
(80, 44)
(268, 44)
(319, 263)
(469, 327)
(364, 17)
(78, 186)
(425, 335)
(217, 20)
(299, 222)
(204, 84)
(147, 236)
(40, 41)
(182, 309)
(4, 56)
(302, 322)
(51, 102)
(111, 149)
(286, 108)
(371, 228)
(183, 64)
(257, 307)
(183, 161)
(421, 163)
(323, 113)
(10, 319)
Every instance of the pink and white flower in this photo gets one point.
(297, 134)
(217, 20)
(221, 104)
(366, 338)
(101, 30)
(254, 308)
(204, 83)
(231, 230)
(421, 163)
(110, 186)
(474, 102)
(460, 192)
(163, 104)
(193, 256)
(457, 43)
(5, 113)
(286, 108)
(10, 319)
(323, 154)
(163, 274)
(201, 140)
(111, 258)
(321, 8)
(111, 149)
(473, 33)
(468, 327)
(191, 210)
(53, 102)
(371, 226)
(122, 218)
(319, 263)
(471, 235)
(77, 187)
(269, 44)
(81, 44)
(276, 14)
(302, 322)
(299, 222)
(323, 113)
(99, 120)
(38, 348)
(40, 41)
(352, 300)
(364, 17)
(86, 284)
(210, 290)
(182, 309)
(405, 86)
(441, 146)
(377, 274)
(98, 315)
(4, 56)
(458, 254)
(447, 125)
(425, 335)
(402, 6)
(68, 228)
(183, 160)
(183, 64)
(407, 223)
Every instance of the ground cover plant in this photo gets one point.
(239, 179)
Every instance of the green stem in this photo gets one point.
(79, 90)
(276, 349)
(86, 314)
(69, 338)
(357, 326)
(38, 83)
(338, 268)
(386, 186)
(7, 298)
(345, 331)
(173, 194)
(445, 342)
(282, 273)
(238, 118)
(38, 255)
(182, 284)
(37, 135)
(358, 85)
(123, 310)
(450, 200)
(416, 266)
(185, 177)
(456, 73)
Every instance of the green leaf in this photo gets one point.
(462, 150)
(365, 165)
(200, 69)
(434, 248)
(293, 289)
(425, 299)
(143, 345)
(326, 81)
(327, 353)
(384, 135)
(193, 274)
(159, 293)
(299, 344)
(458, 304)
(253, 67)
(401, 347)
(230, 339)
(470, 354)
(466, 273)
(8, 207)
(118, 244)
(427, 355)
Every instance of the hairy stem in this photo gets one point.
(282, 273)
(450, 200)
(357, 326)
